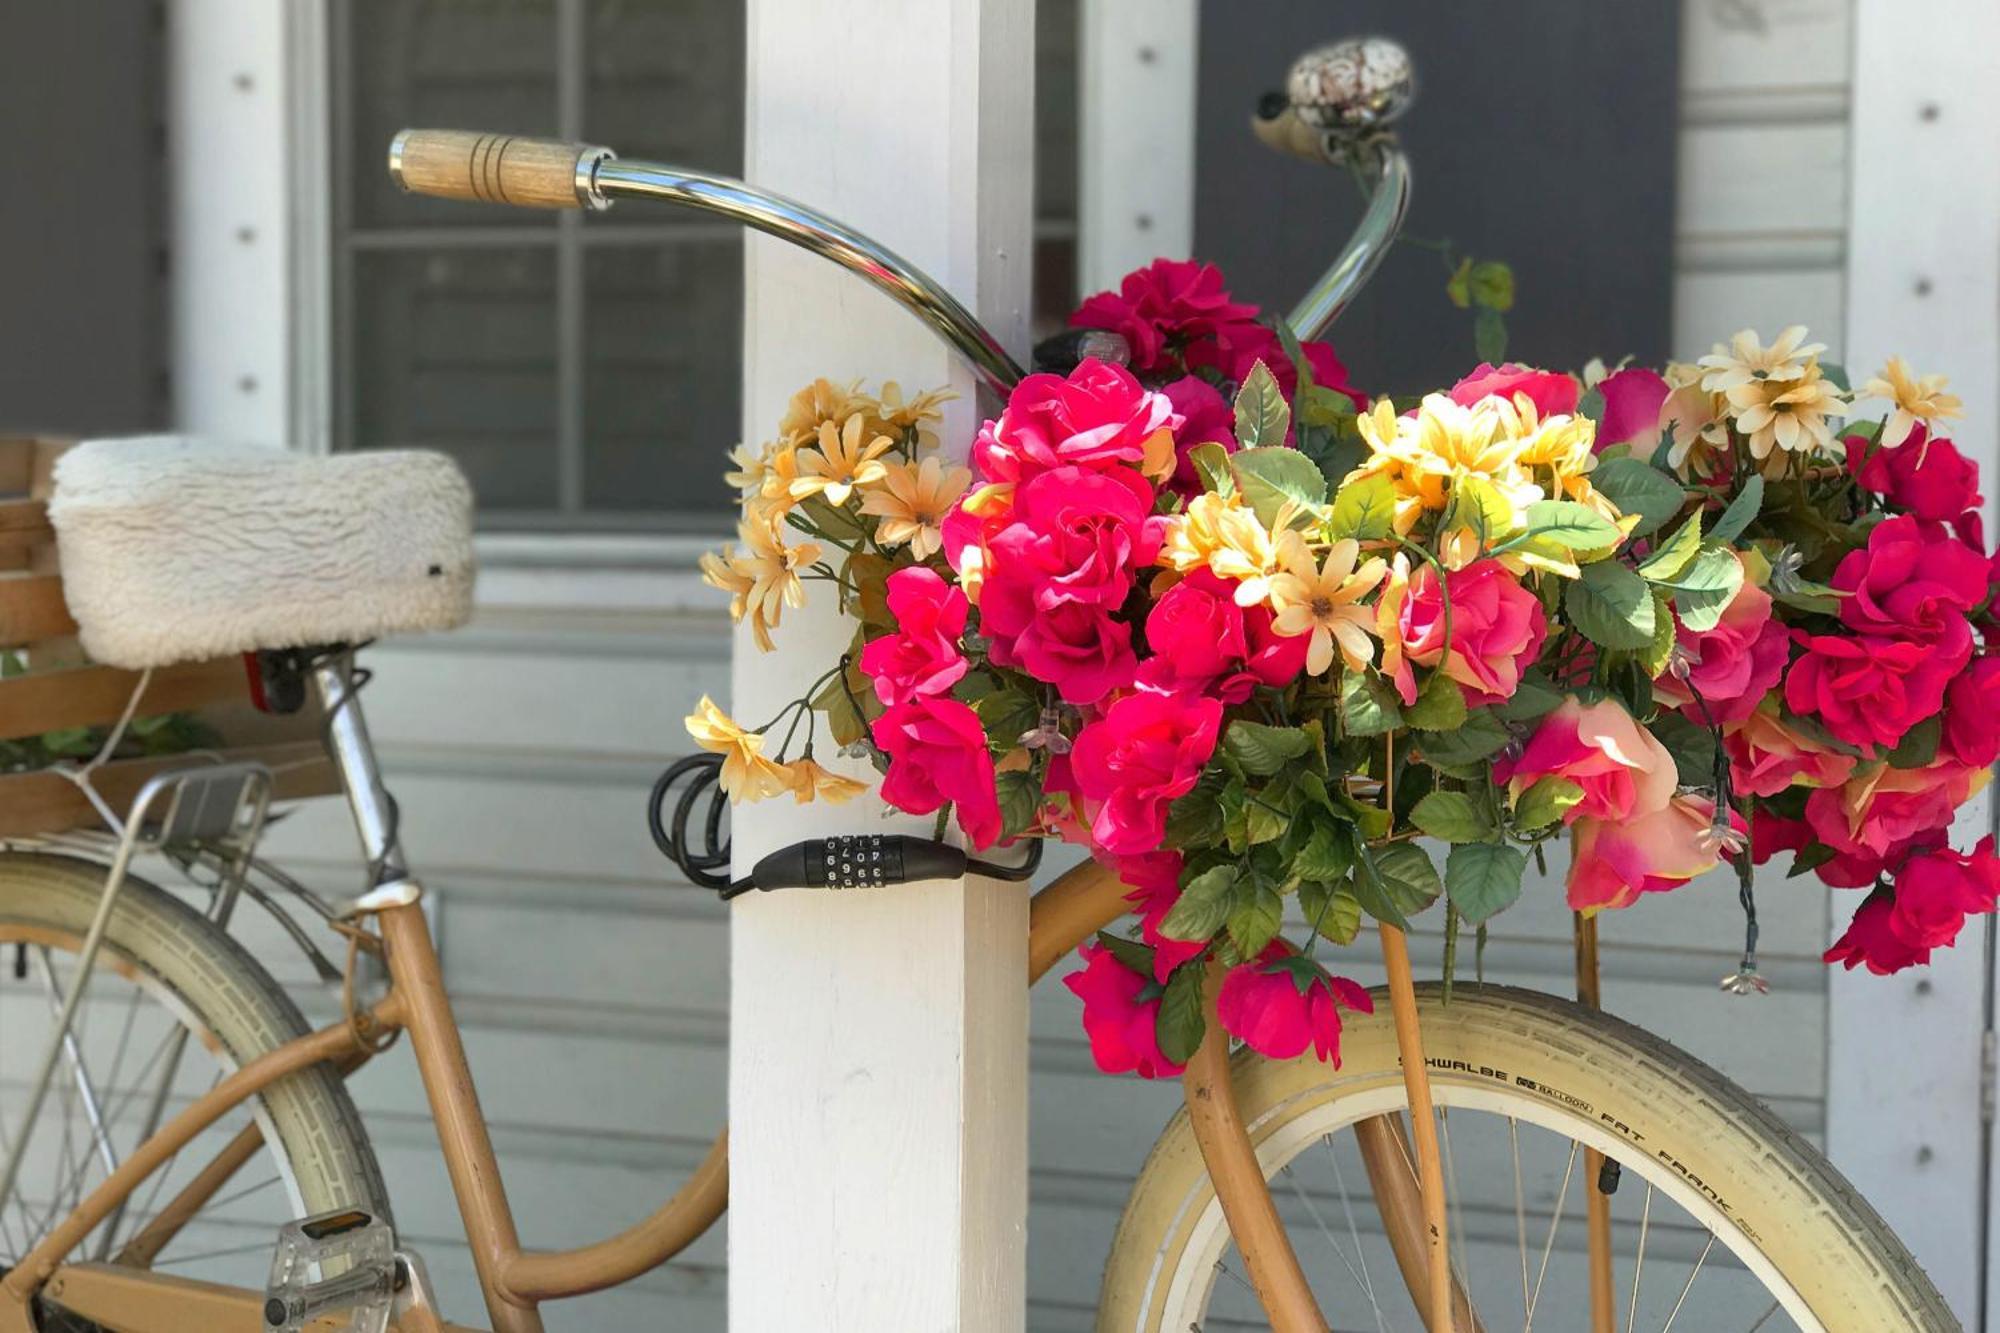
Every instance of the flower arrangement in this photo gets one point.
(1248, 636)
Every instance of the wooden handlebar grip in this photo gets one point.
(497, 168)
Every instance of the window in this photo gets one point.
(571, 368)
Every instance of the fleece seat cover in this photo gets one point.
(177, 550)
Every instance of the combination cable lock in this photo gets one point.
(845, 861)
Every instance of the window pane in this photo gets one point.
(445, 64)
(456, 350)
(665, 82)
(661, 378)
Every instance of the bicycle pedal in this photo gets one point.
(333, 1265)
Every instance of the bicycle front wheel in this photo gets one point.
(1723, 1219)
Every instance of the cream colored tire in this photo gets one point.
(180, 961)
(1763, 1191)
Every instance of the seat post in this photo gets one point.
(353, 755)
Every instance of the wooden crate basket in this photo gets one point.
(62, 688)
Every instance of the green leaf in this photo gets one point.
(1181, 1024)
(1459, 285)
(1204, 905)
(1919, 745)
(1020, 794)
(1363, 510)
(837, 699)
(1533, 698)
(1255, 921)
(1327, 855)
(1612, 606)
(1639, 488)
(1591, 405)
(1131, 953)
(1484, 878)
(1810, 858)
(1263, 750)
(1691, 745)
(1211, 464)
(1409, 875)
(1703, 591)
(1567, 524)
(1368, 704)
(1653, 659)
(1331, 909)
(1673, 555)
(1547, 801)
(1261, 415)
(1836, 375)
(1742, 511)
(1195, 820)
(1440, 705)
(1005, 714)
(1491, 285)
(1451, 816)
(1261, 823)
(1479, 737)
(1489, 336)
(1270, 477)
(1478, 505)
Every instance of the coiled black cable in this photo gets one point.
(703, 774)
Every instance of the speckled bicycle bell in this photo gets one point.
(1354, 86)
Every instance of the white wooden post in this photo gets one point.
(878, 1039)
(1904, 1062)
(1135, 129)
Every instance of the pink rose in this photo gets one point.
(1122, 1027)
(1734, 663)
(1155, 879)
(1771, 833)
(1195, 632)
(1612, 862)
(1623, 770)
(1869, 690)
(1078, 649)
(1275, 659)
(1908, 584)
(1097, 417)
(1265, 1005)
(1880, 809)
(937, 753)
(1131, 763)
(1168, 302)
(1870, 941)
(1928, 478)
(1633, 400)
(1237, 348)
(1497, 629)
(1767, 757)
(922, 656)
(1552, 394)
(1972, 713)
(1206, 418)
(1937, 890)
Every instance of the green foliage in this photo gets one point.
(1703, 590)
(1195, 820)
(1129, 952)
(1489, 336)
(1211, 464)
(1546, 802)
(1533, 698)
(1180, 1024)
(1919, 745)
(1675, 554)
(1481, 736)
(1440, 705)
(1452, 816)
(1269, 477)
(1611, 606)
(1639, 488)
(1368, 705)
(1403, 881)
(1254, 921)
(1020, 792)
(1363, 510)
(1263, 750)
(1261, 415)
(1566, 524)
(1742, 512)
(1484, 878)
(1691, 745)
(1005, 714)
(1331, 909)
(1204, 905)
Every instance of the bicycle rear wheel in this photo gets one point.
(1724, 1220)
(174, 1005)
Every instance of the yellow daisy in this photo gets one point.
(1917, 398)
(808, 780)
(912, 503)
(763, 580)
(842, 462)
(1325, 600)
(746, 774)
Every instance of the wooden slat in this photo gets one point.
(43, 802)
(24, 524)
(32, 608)
(92, 695)
(26, 462)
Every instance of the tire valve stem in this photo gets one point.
(1608, 1174)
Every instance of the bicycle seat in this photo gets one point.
(175, 549)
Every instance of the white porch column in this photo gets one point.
(878, 1040)
(1923, 281)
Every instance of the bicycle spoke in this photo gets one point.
(1764, 1319)
(1457, 1201)
(1555, 1224)
(1520, 1217)
(1675, 1313)
(251, 1248)
(73, 1052)
(1639, 1260)
(1333, 1244)
(1347, 1208)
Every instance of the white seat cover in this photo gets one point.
(177, 550)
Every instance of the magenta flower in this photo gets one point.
(1880, 809)
(1282, 1003)
(1552, 393)
(1732, 665)
(1166, 304)
(1096, 417)
(1206, 418)
(1155, 880)
(1869, 690)
(1767, 757)
(1614, 861)
(1497, 629)
(1927, 478)
(1131, 763)
(1907, 584)
(1122, 1027)
(1972, 713)
(1870, 941)
(1623, 770)
(937, 753)
(1633, 401)
(1936, 890)
(922, 656)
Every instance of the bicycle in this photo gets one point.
(1550, 1094)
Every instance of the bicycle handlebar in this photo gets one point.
(1340, 101)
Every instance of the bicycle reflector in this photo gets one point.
(846, 861)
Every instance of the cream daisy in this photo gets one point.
(912, 503)
(1918, 399)
(1324, 600)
